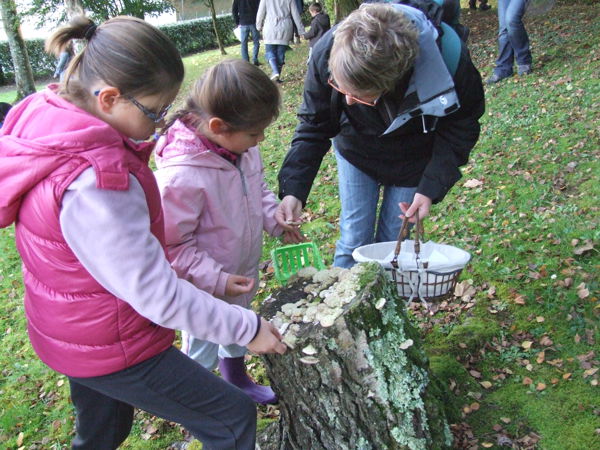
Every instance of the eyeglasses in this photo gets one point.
(332, 83)
(153, 116)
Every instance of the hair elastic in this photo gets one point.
(89, 31)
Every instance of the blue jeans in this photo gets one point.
(513, 41)
(359, 196)
(275, 55)
(245, 32)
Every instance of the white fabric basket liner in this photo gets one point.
(442, 258)
(414, 280)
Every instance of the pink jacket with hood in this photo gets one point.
(215, 211)
(75, 325)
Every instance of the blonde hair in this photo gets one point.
(124, 52)
(373, 48)
(235, 91)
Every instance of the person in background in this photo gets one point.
(401, 124)
(244, 16)
(513, 41)
(276, 20)
(101, 298)
(64, 55)
(319, 25)
(298, 32)
(483, 5)
(4, 109)
(216, 201)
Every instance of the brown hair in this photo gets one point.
(236, 92)
(316, 7)
(373, 48)
(124, 52)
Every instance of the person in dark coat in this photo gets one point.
(244, 16)
(319, 25)
(401, 124)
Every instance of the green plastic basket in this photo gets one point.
(290, 259)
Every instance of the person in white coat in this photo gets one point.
(276, 20)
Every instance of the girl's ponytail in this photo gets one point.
(124, 52)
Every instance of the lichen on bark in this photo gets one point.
(359, 380)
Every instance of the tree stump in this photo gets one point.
(354, 376)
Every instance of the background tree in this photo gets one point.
(18, 51)
(58, 11)
(338, 9)
(211, 5)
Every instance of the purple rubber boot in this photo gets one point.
(233, 370)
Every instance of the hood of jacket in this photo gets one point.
(28, 154)
(431, 81)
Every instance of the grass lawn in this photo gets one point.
(519, 347)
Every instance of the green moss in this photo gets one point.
(402, 374)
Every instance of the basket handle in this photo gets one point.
(402, 235)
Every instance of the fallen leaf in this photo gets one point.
(519, 299)
(472, 183)
(526, 344)
(588, 246)
(487, 444)
(566, 376)
(486, 384)
(527, 381)
(20, 438)
(541, 357)
(540, 386)
(505, 419)
(475, 374)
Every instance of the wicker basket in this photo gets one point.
(427, 270)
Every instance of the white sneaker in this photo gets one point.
(275, 77)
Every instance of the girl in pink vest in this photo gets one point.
(216, 201)
(100, 296)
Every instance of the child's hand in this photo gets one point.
(238, 285)
(293, 237)
(268, 340)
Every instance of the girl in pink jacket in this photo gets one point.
(101, 299)
(216, 202)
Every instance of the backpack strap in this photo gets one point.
(450, 47)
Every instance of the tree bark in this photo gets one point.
(74, 8)
(213, 13)
(355, 375)
(18, 51)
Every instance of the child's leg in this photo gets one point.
(102, 422)
(204, 353)
(233, 369)
(172, 386)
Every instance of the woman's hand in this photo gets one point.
(420, 203)
(238, 285)
(268, 340)
(288, 213)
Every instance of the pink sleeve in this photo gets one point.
(183, 204)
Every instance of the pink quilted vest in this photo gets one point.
(76, 326)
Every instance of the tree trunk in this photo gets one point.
(211, 5)
(344, 7)
(355, 375)
(18, 51)
(74, 8)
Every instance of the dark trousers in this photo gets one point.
(169, 385)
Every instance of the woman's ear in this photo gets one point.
(217, 126)
(107, 97)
